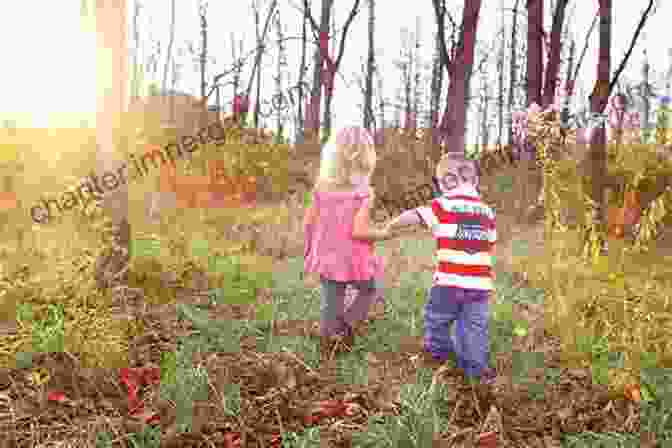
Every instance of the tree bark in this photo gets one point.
(332, 68)
(646, 104)
(135, 92)
(535, 35)
(553, 65)
(435, 100)
(460, 69)
(204, 50)
(370, 66)
(298, 132)
(312, 125)
(500, 79)
(597, 153)
(512, 69)
(169, 51)
(111, 79)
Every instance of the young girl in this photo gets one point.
(338, 234)
(464, 228)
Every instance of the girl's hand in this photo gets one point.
(372, 198)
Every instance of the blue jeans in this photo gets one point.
(470, 341)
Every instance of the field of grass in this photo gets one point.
(233, 367)
(220, 328)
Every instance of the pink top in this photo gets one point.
(329, 249)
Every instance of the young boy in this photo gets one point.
(464, 228)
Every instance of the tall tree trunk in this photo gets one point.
(553, 65)
(460, 69)
(535, 33)
(169, 52)
(381, 110)
(416, 76)
(204, 48)
(136, 80)
(298, 132)
(259, 51)
(111, 79)
(485, 128)
(500, 79)
(512, 72)
(646, 103)
(278, 80)
(370, 65)
(203, 61)
(597, 153)
(326, 66)
(312, 125)
(435, 99)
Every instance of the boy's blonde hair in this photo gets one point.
(456, 164)
(348, 151)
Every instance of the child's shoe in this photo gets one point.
(329, 345)
(426, 360)
(488, 377)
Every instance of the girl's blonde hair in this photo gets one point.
(348, 151)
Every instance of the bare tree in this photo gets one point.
(281, 63)
(500, 77)
(512, 69)
(137, 67)
(436, 87)
(553, 65)
(203, 12)
(111, 40)
(261, 39)
(417, 69)
(324, 76)
(370, 66)
(459, 69)
(298, 137)
(597, 153)
(535, 35)
(171, 40)
(645, 95)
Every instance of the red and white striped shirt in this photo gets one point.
(465, 231)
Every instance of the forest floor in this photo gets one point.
(244, 378)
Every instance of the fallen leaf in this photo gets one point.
(58, 397)
(232, 440)
(487, 440)
(631, 392)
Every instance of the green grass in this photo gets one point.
(422, 416)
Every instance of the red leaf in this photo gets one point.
(150, 375)
(487, 440)
(58, 397)
(231, 440)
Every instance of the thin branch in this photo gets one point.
(640, 26)
(585, 47)
(346, 26)
(440, 13)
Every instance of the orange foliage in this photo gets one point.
(620, 218)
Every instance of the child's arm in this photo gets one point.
(363, 228)
(309, 218)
